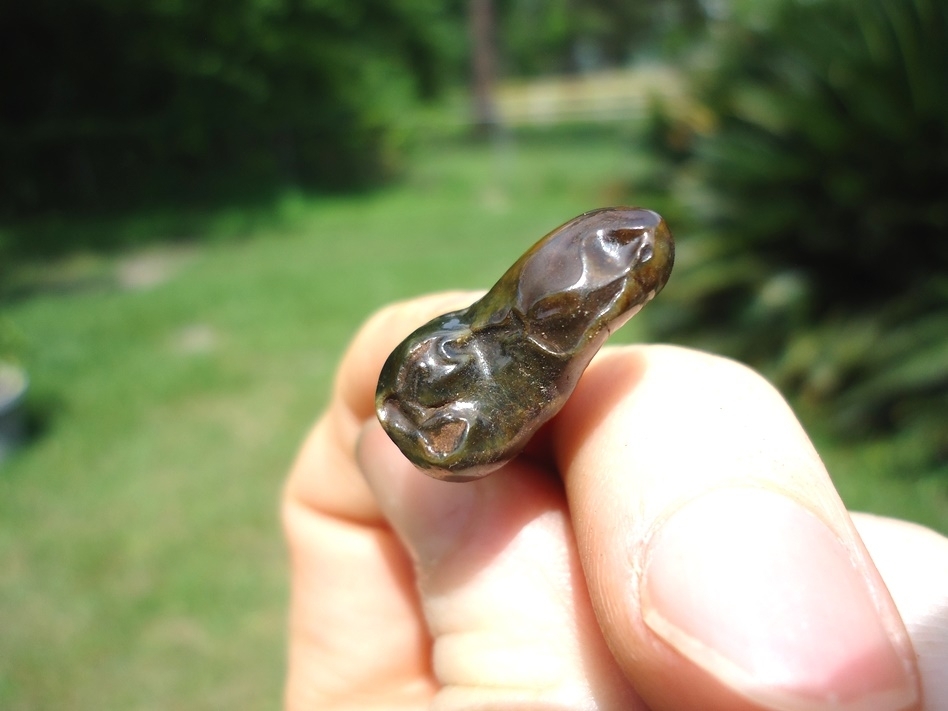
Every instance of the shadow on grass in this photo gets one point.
(29, 245)
(25, 422)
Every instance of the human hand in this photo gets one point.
(670, 540)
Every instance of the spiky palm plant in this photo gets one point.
(823, 188)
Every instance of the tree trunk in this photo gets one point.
(483, 61)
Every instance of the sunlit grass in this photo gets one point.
(141, 564)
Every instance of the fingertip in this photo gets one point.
(325, 476)
(913, 562)
(378, 336)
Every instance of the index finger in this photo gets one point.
(355, 629)
(724, 568)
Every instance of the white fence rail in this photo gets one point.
(602, 96)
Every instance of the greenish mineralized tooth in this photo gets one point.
(464, 393)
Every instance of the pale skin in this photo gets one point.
(670, 540)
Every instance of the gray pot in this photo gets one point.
(13, 386)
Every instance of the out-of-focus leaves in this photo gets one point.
(109, 102)
(820, 183)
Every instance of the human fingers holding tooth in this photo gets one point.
(678, 545)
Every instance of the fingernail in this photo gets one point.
(430, 516)
(760, 593)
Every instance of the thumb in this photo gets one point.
(501, 586)
(739, 581)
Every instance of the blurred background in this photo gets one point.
(200, 201)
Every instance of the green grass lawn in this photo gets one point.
(141, 562)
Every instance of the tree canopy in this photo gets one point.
(106, 100)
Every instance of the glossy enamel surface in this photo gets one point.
(464, 393)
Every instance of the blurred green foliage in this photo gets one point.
(111, 103)
(544, 36)
(112, 106)
(815, 165)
